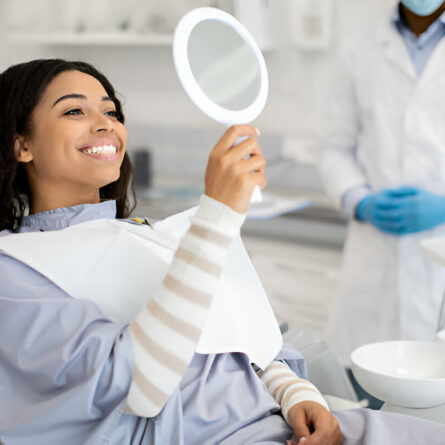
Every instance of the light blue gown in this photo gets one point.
(65, 371)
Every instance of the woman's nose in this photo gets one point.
(100, 122)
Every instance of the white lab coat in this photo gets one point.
(387, 130)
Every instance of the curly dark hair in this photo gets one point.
(21, 88)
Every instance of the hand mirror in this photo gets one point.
(221, 67)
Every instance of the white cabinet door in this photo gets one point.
(300, 280)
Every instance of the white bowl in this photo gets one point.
(404, 373)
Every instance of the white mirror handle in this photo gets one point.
(257, 196)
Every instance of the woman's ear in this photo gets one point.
(22, 154)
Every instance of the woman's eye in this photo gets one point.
(74, 112)
(111, 113)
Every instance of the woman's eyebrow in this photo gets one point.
(78, 96)
(69, 96)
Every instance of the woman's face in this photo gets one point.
(76, 144)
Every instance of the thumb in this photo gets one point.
(299, 425)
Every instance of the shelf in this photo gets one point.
(104, 38)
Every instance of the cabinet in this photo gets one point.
(300, 280)
(98, 22)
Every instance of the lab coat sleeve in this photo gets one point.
(352, 198)
(65, 370)
(339, 134)
(165, 334)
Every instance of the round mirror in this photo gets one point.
(220, 66)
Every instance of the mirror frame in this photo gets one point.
(189, 83)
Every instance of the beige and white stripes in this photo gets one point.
(165, 334)
(288, 389)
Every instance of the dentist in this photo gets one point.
(383, 162)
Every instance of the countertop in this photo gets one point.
(320, 224)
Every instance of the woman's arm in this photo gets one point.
(288, 389)
(302, 406)
(165, 334)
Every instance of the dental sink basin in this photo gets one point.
(408, 374)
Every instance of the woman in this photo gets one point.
(68, 374)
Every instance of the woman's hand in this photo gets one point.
(315, 424)
(233, 171)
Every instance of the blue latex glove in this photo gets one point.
(402, 211)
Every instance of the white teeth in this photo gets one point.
(101, 149)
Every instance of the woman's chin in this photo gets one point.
(109, 179)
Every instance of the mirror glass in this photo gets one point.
(224, 65)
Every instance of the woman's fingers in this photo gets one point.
(242, 150)
(314, 423)
(326, 430)
(258, 178)
(252, 164)
(235, 132)
(233, 171)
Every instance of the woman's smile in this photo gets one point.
(104, 150)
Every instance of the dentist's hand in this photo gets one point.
(313, 424)
(402, 211)
(421, 210)
(233, 171)
(381, 210)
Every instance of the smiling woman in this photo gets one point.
(62, 140)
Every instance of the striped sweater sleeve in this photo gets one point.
(288, 389)
(165, 334)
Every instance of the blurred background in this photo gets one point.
(297, 255)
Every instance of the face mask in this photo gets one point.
(423, 7)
